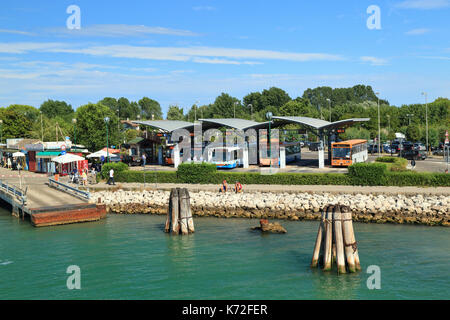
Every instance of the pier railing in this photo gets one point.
(13, 192)
(69, 189)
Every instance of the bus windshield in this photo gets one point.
(341, 153)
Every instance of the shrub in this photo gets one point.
(394, 163)
(196, 172)
(146, 176)
(116, 166)
(368, 174)
(423, 179)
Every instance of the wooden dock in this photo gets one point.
(47, 202)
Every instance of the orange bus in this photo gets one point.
(345, 153)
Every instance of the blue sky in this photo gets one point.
(180, 52)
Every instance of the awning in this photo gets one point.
(67, 158)
(48, 154)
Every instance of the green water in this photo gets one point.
(130, 257)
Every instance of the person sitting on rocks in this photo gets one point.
(224, 186)
(238, 187)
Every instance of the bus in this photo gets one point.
(346, 153)
(292, 153)
(224, 157)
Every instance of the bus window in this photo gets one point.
(341, 153)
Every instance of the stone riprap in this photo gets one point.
(419, 209)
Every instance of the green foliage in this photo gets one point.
(422, 179)
(225, 107)
(150, 107)
(116, 166)
(394, 163)
(175, 113)
(195, 172)
(15, 124)
(146, 176)
(368, 174)
(55, 108)
(91, 126)
(130, 134)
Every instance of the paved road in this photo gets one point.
(310, 163)
(38, 193)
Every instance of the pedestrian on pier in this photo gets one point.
(111, 177)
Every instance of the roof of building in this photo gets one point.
(21, 144)
(317, 123)
(235, 123)
(167, 125)
(48, 154)
(135, 140)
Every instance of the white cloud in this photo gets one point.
(374, 60)
(119, 30)
(24, 33)
(168, 53)
(423, 4)
(223, 61)
(415, 32)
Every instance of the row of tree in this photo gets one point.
(86, 125)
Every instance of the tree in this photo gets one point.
(175, 113)
(55, 108)
(28, 111)
(274, 97)
(226, 105)
(253, 98)
(91, 126)
(15, 124)
(298, 108)
(150, 107)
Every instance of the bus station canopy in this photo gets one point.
(234, 123)
(167, 125)
(318, 124)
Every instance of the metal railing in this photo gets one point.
(14, 191)
(69, 189)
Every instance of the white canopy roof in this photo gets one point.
(18, 154)
(101, 153)
(67, 158)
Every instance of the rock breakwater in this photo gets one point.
(418, 209)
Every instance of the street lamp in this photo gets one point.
(426, 117)
(269, 117)
(410, 115)
(107, 142)
(379, 129)
(195, 111)
(1, 131)
(251, 110)
(75, 125)
(234, 105)
(42, 128)
(329, 105)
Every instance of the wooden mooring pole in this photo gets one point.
(179, 215)
(335, 241)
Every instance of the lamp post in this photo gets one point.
(234, 105)
(409, 115)
(329, 105)
(195, 111)
(379, 129)
(251, 110)
(75, 131)
(426, 117)
(107, 142)
(269, 117)
(42, 128)
(1, 131)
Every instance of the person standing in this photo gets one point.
(144, 159)
(111, 177)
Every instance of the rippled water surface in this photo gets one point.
(130, 257)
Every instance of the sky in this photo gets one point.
(183, 52)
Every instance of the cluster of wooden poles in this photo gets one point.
(335, 242)
(179, 216)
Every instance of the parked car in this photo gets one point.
(412, 154)
(386, 148)
(419, 146)
(314, 146)
(131, 160)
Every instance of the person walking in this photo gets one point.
(84, 175)
(111, 177)
(9, 163)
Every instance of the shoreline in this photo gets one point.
(431, 210)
